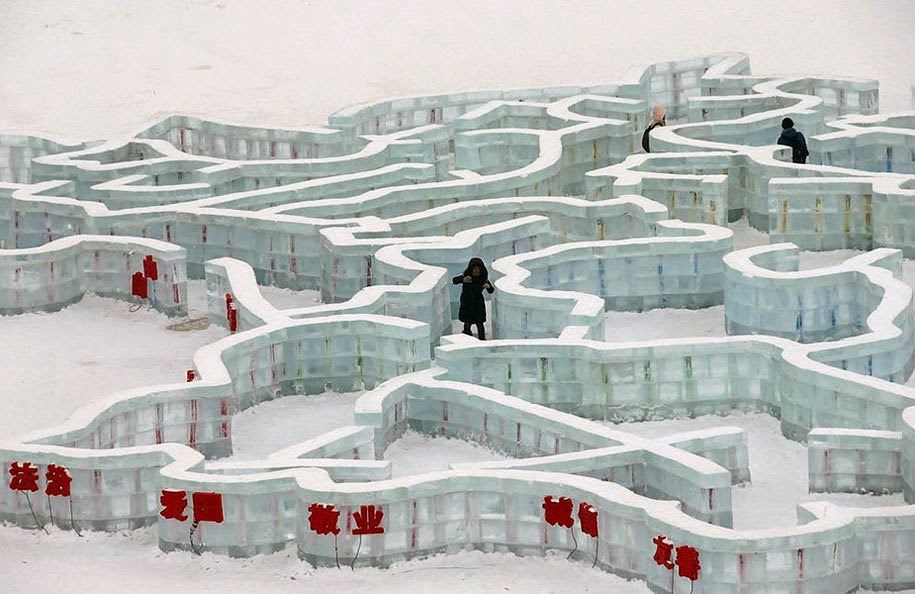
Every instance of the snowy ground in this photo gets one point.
(93, 69)
(778, 470)
(86, 345)
(54, 363)
(30, 400)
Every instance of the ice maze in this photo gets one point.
(379, 210)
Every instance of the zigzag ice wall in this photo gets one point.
(379, 210)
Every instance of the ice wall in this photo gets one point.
(380, 209)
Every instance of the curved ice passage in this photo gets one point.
(380, 209)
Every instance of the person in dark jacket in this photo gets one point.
(658, 118)
(473, 309)
(794, 139)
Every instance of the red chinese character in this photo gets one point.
(25, 477)
(58, 481)
(587, 517)
(558, 512)
(368, 520)
(662, 553)
(208, 507)
(688, 562)
(322, 519)
(173, 505)
(150, 269)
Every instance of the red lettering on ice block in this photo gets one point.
(173, 505)
(231, 312)
(233, 319)
(558, 513)
(663, 552)
(587, 518)
(322, 519)
(58, 481)
(138, 285)
(368, 520)
(208, 507)
(25, 477)
(150, 268)
(191, 375)
(688, 562)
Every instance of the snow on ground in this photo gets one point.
(746, 236)
(95, 68)
(625, 326)
(262, 430)
(114, 563)
(271, 426)
(778, 470)
(415, 453)
(290, 299)
(278, 298)
(54, 363)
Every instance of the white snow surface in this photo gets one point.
(778, 470)
(115, 563)
(53, 364)
(94, 69)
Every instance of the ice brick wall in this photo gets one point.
(50, 277)
(378, 212)
(681, 267)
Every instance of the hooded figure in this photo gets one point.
(658, 118)
(794, 139)
(473, 309)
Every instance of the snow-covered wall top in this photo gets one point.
(380, 210)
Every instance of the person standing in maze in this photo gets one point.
(473, 281)
(794, 139)
(658, 118)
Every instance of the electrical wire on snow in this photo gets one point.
(336, 554)
(575, 540)
(190, 537)
(34, 517)
(72, 523)
(359, 548)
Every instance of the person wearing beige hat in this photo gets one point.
(658, 118)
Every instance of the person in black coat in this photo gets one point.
(658, 118)
(473, 309)
(794, 139)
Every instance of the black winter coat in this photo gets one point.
(473, 308)
(646, 136)
(795, 140)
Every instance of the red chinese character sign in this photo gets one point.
(58, 481)
(322, 519)
(663, 551)
(25, 477)
(587, 517)
(208, 507)
(173, 505)
(57, 484)
(558, 512)
(368, 520)
(687, 559)
(688, 563)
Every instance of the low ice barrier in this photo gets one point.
(59, 273)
